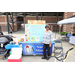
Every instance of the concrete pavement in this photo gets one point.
(66, 46)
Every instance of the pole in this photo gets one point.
(7, 22)
(41, 15)
(59, 30)
(37, 16)
(56, 25)
(12, 22)
(24, 19)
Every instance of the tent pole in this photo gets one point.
(59, 31)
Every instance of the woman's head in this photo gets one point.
(10, 32)
(47, 27)
(1, 33)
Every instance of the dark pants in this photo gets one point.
(44, 50)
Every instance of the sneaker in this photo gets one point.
(44, 57)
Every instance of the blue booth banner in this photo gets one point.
(34, 48)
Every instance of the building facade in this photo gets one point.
(50, 18)
(68, 28)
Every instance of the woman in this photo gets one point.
(47, 40)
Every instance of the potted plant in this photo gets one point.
(63, 33)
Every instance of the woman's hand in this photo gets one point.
(50, 44)
(41, 42)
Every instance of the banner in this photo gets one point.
(34, 49)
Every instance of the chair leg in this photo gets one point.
(62, 51)
(54, 51)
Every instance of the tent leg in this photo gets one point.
(59, 32)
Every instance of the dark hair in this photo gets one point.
(1, 33)
(11, 32)
(47, 26)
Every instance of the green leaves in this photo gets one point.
(65, 33)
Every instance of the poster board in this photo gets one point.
(34, 31)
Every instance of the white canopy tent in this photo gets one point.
(70, 20)
(67, 21)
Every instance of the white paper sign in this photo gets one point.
(72, 40)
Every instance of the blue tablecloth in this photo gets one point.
(8, 46)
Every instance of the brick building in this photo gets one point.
(67, 28)
(51, 18)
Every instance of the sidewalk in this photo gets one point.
(66, 46)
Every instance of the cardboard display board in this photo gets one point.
(34, 31)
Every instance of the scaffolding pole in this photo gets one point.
(7, 22)
(37, 16)
(12, 22)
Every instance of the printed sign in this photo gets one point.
(36, 22)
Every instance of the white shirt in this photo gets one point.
(10, 35)
(47, 37)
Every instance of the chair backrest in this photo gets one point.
(58, 43)
(16, 51)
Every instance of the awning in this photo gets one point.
(70, 20)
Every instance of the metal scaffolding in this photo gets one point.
(12, 21)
